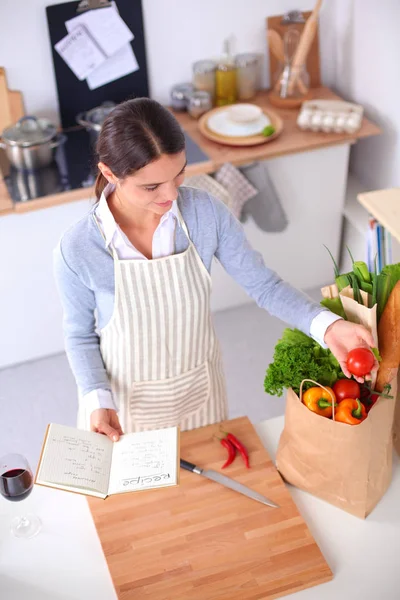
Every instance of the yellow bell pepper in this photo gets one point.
(319, 401)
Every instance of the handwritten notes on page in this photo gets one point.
(106, 27)
(80, 52)
(90, 463)
(98, 46)
(144, 460)
(76, 459)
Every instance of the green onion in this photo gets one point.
(334, 305)
(343, 281)
(374, 284)
(361, 270)
(356, 289)
(336, 268)
(383, 291)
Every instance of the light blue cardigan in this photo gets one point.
(84, 271)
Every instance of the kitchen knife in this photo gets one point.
(227, 482)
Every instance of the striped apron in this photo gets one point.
(159, 349)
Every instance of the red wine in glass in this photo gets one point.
(16, 483)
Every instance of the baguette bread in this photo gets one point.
(389, 339)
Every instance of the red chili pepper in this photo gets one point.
(231, 452)
(240, 447)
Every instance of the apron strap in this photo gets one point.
(183, 224)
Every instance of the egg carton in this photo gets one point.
(330, 116)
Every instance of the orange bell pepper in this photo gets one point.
(319, 401)
(350, 411)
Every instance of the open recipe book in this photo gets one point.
(90, 463)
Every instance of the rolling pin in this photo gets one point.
(304, 46)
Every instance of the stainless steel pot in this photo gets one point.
(31, 143)
(93, 119)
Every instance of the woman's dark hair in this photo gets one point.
(134, 134)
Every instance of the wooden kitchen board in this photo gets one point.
(201, 541)
(313, 63)
(11, 110)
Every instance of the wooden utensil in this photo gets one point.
(275, 43)
(5, 109)
(11, 110)
(276, 46)
(278, 24)
(200, 541)
(304, 46)
(250, 140)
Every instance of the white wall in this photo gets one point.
(365, 68)
(177, 33)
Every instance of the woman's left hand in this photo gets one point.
(343, 336)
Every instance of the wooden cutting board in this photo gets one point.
(201, 541)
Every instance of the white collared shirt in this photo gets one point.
(163, 245)
(163, 239)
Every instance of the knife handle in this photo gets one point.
(187, 465)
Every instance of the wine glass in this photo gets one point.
(16, 483)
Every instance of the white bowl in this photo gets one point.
(244, 113)
(221, 123)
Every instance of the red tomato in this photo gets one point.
(346, 388)
(360, 361)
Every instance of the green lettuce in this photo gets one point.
(298, 357)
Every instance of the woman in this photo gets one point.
(134, 279)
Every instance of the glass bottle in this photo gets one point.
(225, 79)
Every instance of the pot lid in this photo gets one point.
(30, 131)
(95, 117)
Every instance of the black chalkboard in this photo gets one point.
(75, 96)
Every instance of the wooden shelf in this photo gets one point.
(384, 205)
(291, 141)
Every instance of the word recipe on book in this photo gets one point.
(90, 463)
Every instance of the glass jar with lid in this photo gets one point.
(180, 94)
(248, 75)
(199, 102)
(204, 76)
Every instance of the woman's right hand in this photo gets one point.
(105, 421)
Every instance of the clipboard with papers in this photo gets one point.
(98, 51)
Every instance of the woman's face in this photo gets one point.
(154, 187)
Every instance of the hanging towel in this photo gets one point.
(265, 208)
(208, 184)
(239, 188)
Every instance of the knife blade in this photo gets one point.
(227, 482)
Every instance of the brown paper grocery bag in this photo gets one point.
(349, 466)
(396, 422)
(356, 313)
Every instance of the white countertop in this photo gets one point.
(65, 561)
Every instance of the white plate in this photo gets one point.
(221, 123)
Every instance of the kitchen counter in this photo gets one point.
(65, 561)
(291, 141)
